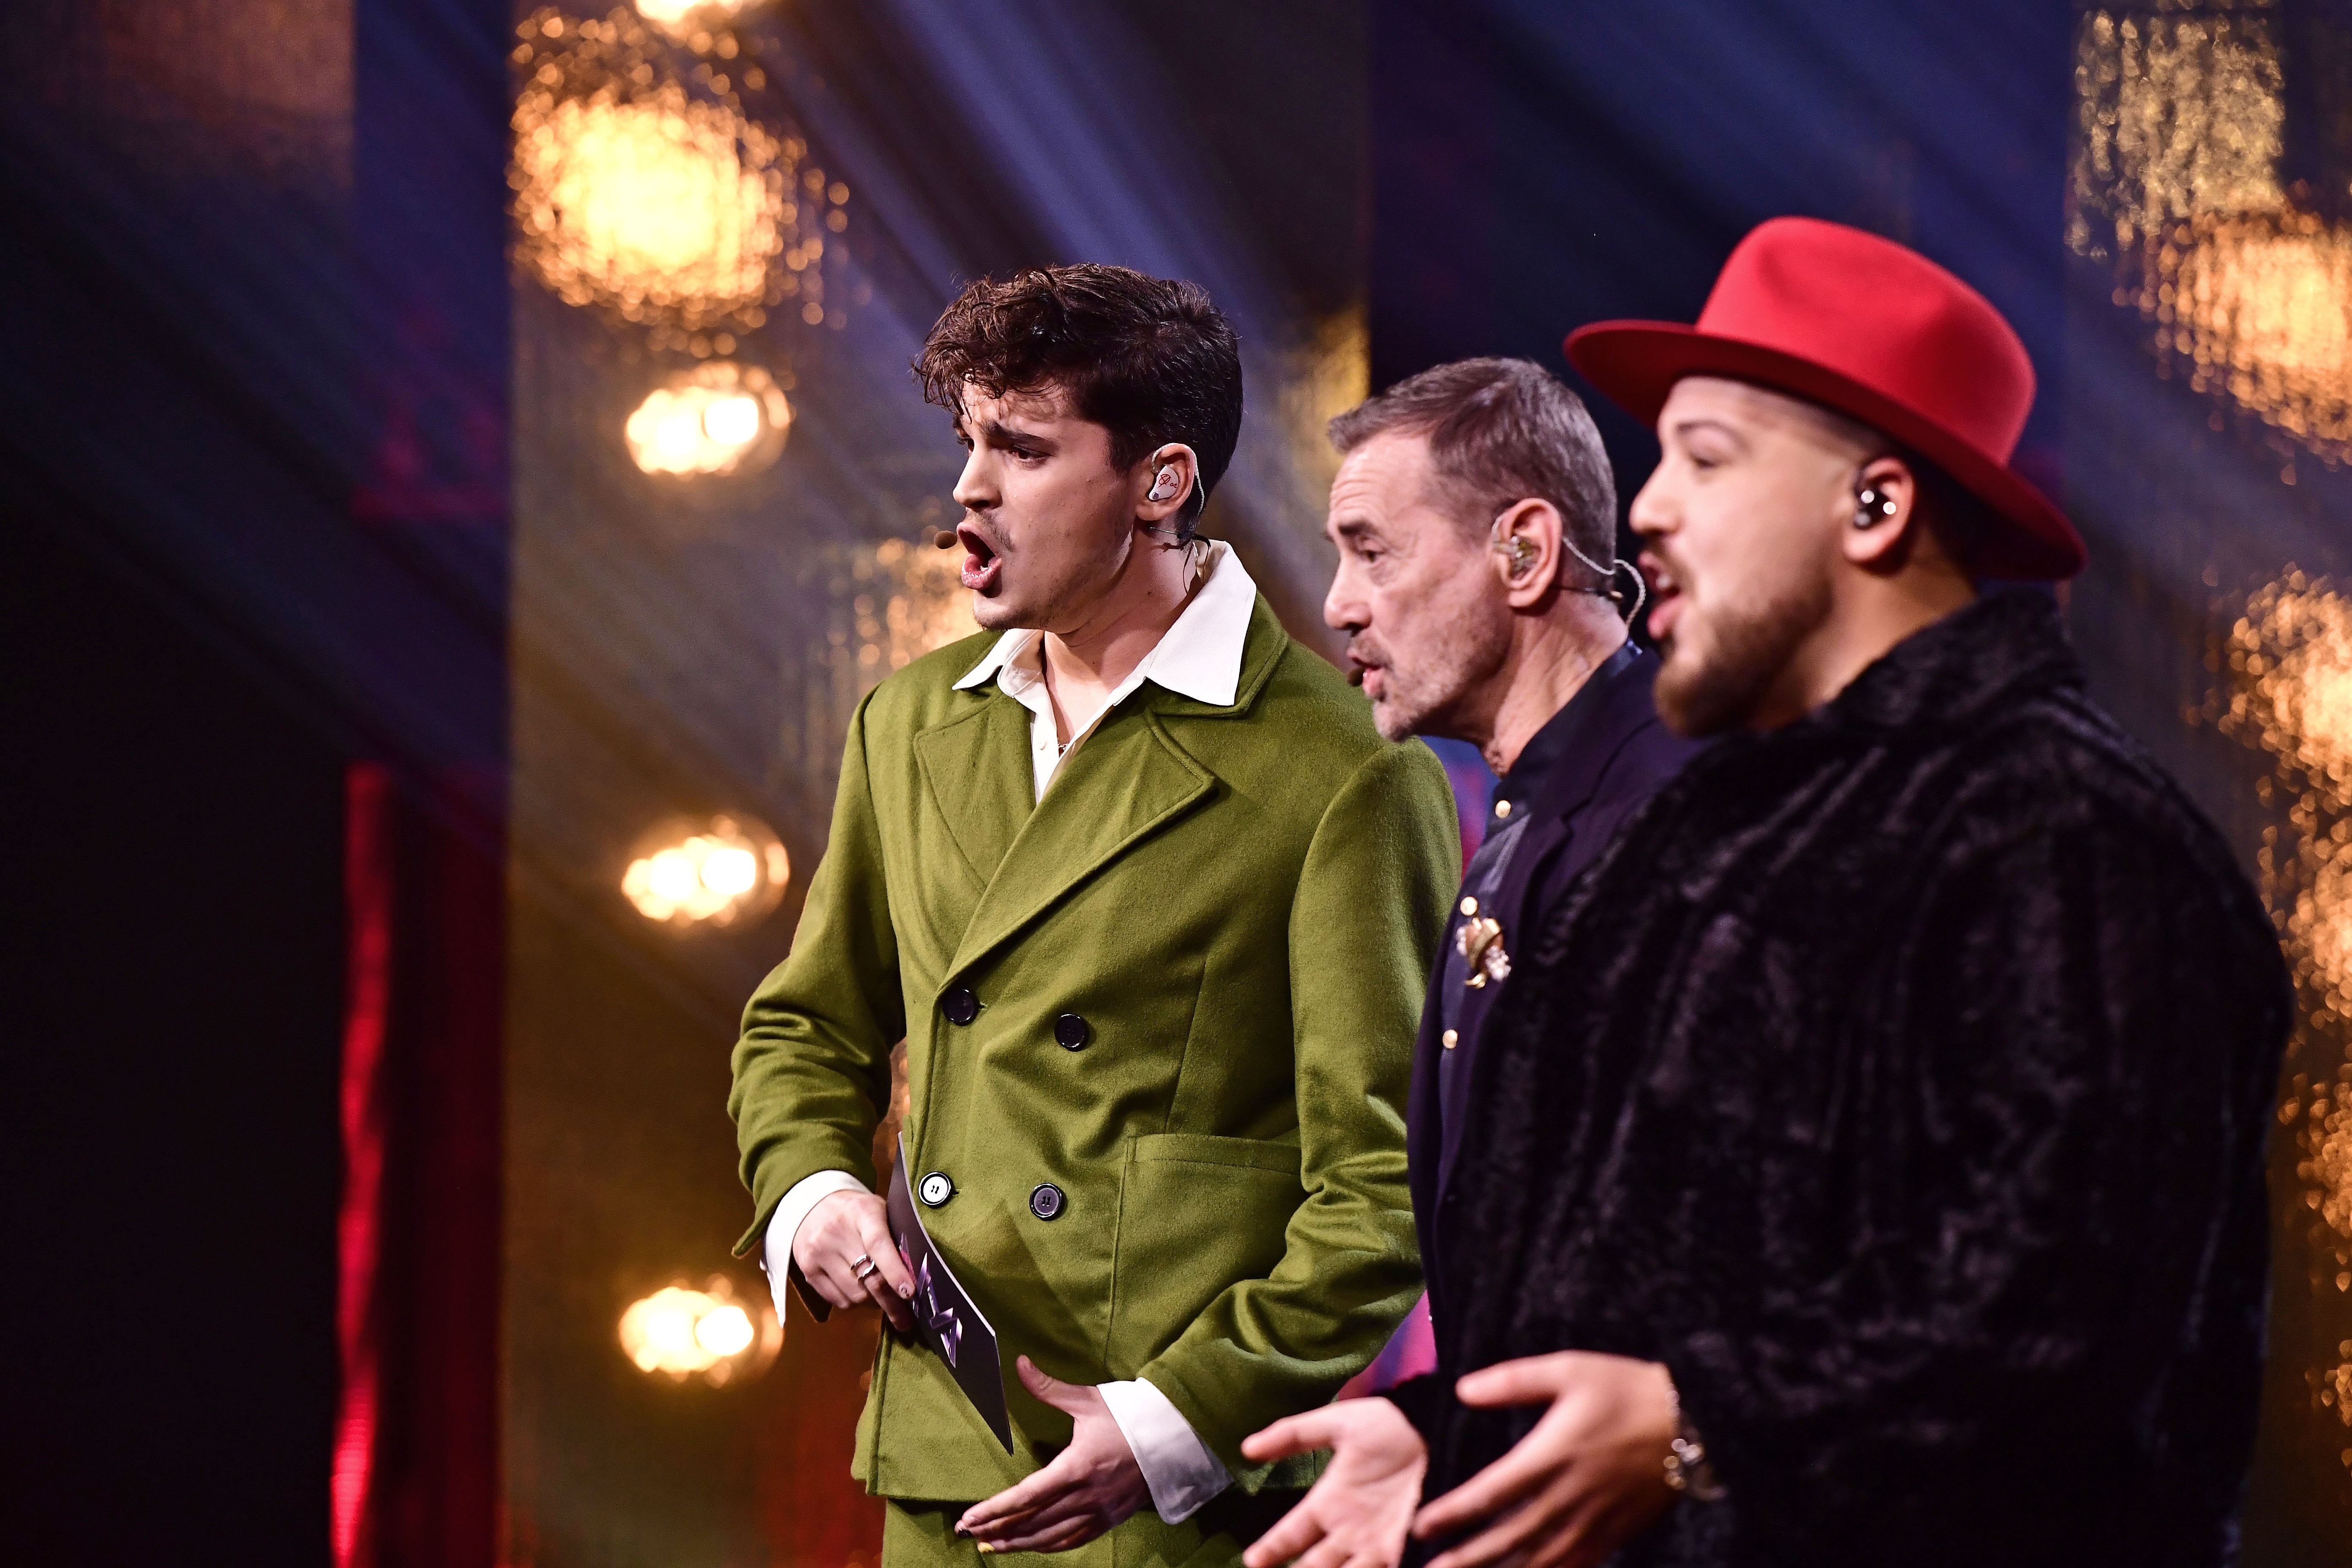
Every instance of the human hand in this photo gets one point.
(1590, 1476)
(845, 1252)
(1357, 1513)
(1090, 1487)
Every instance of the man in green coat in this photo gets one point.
(1152, 905)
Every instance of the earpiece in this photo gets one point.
(1164, 485)
(1524, 555)
(1872, 506)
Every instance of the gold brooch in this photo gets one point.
(1481, 941)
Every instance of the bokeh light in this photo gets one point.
(678, 12)
(2179, 116)
(2290, 659)
(904, 600)
(2287, 661)
(642, 186)
(725, 871)
(2260, 308)
(710, 1334)
(715, 418)
(657, 207)
(2175, 180)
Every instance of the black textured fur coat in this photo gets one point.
(1900, 1080)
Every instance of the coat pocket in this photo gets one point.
(1197, 1215)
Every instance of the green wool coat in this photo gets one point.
(1243, 903)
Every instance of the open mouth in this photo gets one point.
(1665, 596)
(981, 564)
(1363, 672)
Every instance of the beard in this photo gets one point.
(1706, 688)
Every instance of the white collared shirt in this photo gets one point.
(1200, 657)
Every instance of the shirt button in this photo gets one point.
(1047, 1201)
(959, 1005)
(1502, 808)
(1071, 1032)
(1469, 906)
(936, 1189)
(1449, 1039)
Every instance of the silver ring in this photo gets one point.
(861, 1266)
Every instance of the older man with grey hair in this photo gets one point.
(1476, 522)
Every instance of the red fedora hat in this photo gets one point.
(1876, 332)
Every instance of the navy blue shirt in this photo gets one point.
(1592, 765)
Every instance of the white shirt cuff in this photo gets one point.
(776, 1251)
(1176, 1465)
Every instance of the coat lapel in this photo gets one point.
(1127, 779)
(978, 770)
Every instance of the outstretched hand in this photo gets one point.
(1357, 1513)
(1090, 1488)
(1587, 1479)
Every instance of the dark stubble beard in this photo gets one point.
(1721, 689)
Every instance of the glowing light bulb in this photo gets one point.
(657, 197)
(707, 1333)
(725, 1331)
(730, 871)
(732, 421)
(727, 870)
(715, 418)
(670, 13)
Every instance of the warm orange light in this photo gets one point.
(720, 418)
(661, 204)
(2177, 117)
(2289, 659)
(707, 1333)
(2261, 307)
(909, 599)
(2180, 122)
(720, 872)
(656, 196)
(670, 13)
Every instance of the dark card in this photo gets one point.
(946, 1321)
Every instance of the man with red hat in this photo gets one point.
(1869, 1153)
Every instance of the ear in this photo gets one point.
(1531, 572)
(1887, 543)
(1173, 499)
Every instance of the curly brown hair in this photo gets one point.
(1151, 360)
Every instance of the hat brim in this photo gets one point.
(1636, 365)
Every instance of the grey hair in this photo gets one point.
(1500, 431)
